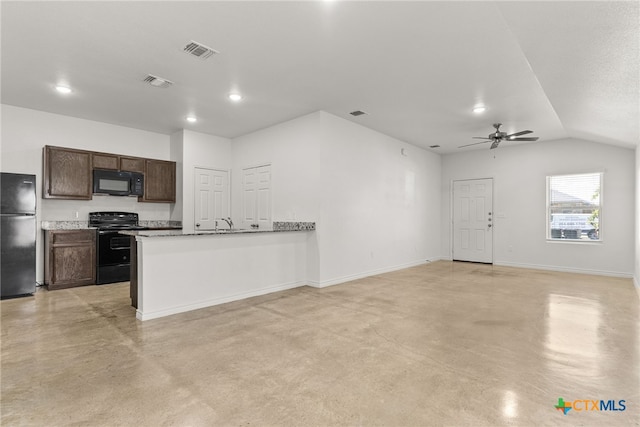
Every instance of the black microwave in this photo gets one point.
(117, 183)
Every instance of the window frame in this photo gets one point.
(548, 211)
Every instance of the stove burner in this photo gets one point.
(114, 220)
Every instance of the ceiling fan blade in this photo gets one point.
(475, 143)
(495, 144)
(481, 137)
(522, 132)
(532, 138)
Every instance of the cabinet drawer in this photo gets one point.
(72, 236)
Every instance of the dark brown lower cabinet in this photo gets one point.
(70, 258)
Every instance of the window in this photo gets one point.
(574, 207)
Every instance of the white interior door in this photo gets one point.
(256, 196)
(473, 220)
(211, 197)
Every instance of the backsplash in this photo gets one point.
(293, 226)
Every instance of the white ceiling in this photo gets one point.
(561, 69)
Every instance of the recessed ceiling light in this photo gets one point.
(235, 97)
(479, 109)
(192, 119)
(63, 89)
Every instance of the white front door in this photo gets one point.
(211, 198)
(256, 196)
(473, 220)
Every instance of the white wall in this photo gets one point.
(177, 155)
(293, 150)
(380, 209)
(374, 208)
(25, 132)
(637, 234)
(519, 174)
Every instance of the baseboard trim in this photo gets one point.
(565, 269)
(216, 301)
(375, 272)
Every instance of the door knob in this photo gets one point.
(198, 224)
(489, 225)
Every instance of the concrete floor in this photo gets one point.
(441, 344)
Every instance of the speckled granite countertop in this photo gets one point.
(160, 223)
(278, 226)
(80, 225)
(65, 225)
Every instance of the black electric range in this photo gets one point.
(113, 250)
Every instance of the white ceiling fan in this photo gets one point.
(497, 137)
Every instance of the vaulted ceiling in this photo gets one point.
(561, 69)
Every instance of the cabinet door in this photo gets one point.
(159, 181)
(71, 258)
(104, 161)
(67, 173)
(132, 164)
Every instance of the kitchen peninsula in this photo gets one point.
(174, 271)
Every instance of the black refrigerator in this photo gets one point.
(17, 235)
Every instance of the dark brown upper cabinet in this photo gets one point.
(67, 174)
(105, 161)
(132, 164)
(159, 181)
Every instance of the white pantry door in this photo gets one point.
(256, 196)
(211, 198)
(473, 220)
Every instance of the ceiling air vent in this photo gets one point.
(357, 113)
(434, 146)
(156, 81)
(199, 50)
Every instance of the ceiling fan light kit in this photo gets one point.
(497, 137)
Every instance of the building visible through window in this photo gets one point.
(574, 207)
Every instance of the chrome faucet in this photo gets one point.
(228, 221)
